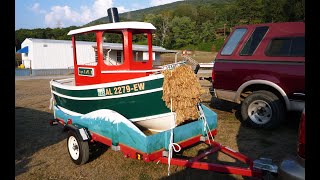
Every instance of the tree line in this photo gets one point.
(195, 27)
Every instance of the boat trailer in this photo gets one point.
(251, 168)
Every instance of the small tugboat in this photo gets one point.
(130, 85)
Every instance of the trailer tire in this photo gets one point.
(78, 149)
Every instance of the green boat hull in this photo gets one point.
(141, 97)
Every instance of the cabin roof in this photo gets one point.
(114, 26)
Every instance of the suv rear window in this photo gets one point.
(253, 42)
(286, 47)
(233, 41)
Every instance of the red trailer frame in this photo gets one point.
(194, 162)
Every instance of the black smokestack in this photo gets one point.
(113, 15)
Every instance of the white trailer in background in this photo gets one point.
(55, 57)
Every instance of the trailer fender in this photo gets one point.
(82, 133)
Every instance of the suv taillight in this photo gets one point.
(301, 136)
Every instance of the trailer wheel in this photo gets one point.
(262, 109)
(78, 149)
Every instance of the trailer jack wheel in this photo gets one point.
(78, 149)
(269, 176)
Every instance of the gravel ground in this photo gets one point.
(19, 78)
(41, 153)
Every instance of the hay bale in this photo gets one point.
(183, 87)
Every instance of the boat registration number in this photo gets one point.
(121, 89)
(85, 71)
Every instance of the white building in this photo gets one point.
(51, 57)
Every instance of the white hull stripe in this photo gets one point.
(150, 117)
(109, 97)
(155, 130)
(72, 113)
(133, 71)
(58, 83)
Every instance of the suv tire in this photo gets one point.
(262, 109)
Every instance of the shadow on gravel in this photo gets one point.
(196, 174)
(292, 118)
(255, 143)
(199, 174)
(32, 133)
(223, 105)
(96, 150)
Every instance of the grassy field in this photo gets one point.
(41, 151)
(200, 56)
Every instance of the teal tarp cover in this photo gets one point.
(23, 50)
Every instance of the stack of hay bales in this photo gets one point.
(183, 87)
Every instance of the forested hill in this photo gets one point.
(140, 14)
(192, 24)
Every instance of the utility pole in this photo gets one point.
(224, 31)
(59, 24)
(128, 15)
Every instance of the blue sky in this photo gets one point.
(31, 14)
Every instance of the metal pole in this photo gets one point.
(176, 57)
(224, 31)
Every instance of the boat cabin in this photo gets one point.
(128, 65)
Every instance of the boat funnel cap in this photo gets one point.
(113, 15)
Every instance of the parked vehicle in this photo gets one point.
(294, 167)
(262, 67)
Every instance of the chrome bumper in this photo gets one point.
(291, 169)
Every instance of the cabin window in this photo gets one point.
(140, 49)
(86, 49)
(113, 48)
(139, 56)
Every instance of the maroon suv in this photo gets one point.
(262, 67)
